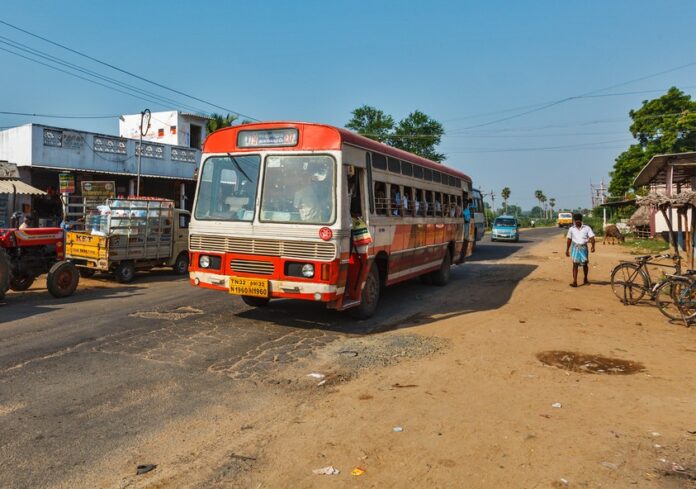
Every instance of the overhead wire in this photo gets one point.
(124, 71)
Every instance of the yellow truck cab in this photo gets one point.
(565, 219)
(125, 235)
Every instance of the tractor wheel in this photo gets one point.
(181, 264)
(4, 273)
(19, 284)
(62, 279)
(87, 272)
(125, 272)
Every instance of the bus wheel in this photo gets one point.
(62, 279)
(442, 276)
(370, 296)
(255, 301)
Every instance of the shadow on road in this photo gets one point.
(21, 305)
(497, 251)
(472, 288)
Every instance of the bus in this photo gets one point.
(314, 212)
(478, 215)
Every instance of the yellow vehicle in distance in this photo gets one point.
(565, 219)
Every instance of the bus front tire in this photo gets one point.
(370, 296)
(255, 301)
(441, 277)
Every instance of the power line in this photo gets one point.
(57, 116)
(67, 64)
(91, 58)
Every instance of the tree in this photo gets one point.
(538, 195)
(663, 125)
(552, 204)
(514, 210)
(372, 123)
(218, 121)
(505, 194)
(543, 199)
(417, 133)
(536, 210)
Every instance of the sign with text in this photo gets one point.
(98, 189)
(66, 183)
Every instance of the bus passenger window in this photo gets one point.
(429, 207)
(438, 204)
(408, 202)
(460, 209)
(381, 201)
(452, 206)
(394, 200)
(421, 204)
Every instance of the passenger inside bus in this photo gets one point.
(381, 201)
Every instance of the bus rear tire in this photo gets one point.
(370, 296)
(255, 301)
(441, 277)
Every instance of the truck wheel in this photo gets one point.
(62, 279)
(442, 276)
(369, 297)
(87, 272)
(4, 273)
(19, 284)
(255, 301)
(125, 272)
(181, 264)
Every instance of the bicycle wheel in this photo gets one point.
(676, 298)
(629, 282)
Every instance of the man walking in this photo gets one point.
(576, 247)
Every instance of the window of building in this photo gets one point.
(196, 138)
(160, 133)
(172, 129)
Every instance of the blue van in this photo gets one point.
(505, 228)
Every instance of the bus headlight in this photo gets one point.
(308, 270)
(204, 261)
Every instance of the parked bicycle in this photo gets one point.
(675, 297)
(631, 281)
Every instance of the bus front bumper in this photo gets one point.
(288, 289)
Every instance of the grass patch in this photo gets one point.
(645, 246)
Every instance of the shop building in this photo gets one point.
(42, 153)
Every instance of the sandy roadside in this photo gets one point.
(479, 414)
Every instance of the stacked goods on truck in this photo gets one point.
(125, 235)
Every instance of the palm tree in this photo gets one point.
(218, 121)
(552, 203)
(538, 194)
(505, 194)
(543, 199)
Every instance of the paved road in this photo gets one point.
(90, 375)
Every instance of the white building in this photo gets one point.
(171, 127)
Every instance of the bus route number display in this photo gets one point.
(272, 138)
(248, 286)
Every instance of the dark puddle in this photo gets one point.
(589, 364)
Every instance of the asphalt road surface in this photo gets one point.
(89, 375)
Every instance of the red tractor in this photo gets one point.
(27, 253)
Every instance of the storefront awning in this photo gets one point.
(10, 186)
(126, 174)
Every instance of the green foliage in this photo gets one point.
(536, 212)
(651, 246)
(219, 121)
(663, 125)
(514, 210)
(372, 123)
(417, 133)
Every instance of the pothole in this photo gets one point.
(173, 315)
(589, 364)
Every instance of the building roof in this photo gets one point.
(197, 116)
(654, 172)
(10, 186)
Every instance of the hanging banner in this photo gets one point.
(98, 189)
(66, 183)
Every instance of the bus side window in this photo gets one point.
(394, 200)
(408, 206)
(381, 200)
(420, 203)
(429, 207)
(460, 209)
(438, 204)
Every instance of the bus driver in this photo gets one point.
(308, 200)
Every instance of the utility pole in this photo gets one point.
(493, 202)
(599, 197)
(144, 126)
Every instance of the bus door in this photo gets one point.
(358, 263)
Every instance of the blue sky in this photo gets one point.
(466, 64)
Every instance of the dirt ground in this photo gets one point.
(472, 404)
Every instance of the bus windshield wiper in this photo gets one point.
(238, 167)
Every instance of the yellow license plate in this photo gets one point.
(254, 287)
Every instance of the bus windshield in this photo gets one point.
(299, 189)
(227, 190)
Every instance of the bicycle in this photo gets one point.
(675, 297)
(631, 281)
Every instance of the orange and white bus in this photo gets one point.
(283, 210)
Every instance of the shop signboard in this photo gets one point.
(66, 182)
(98, 189)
